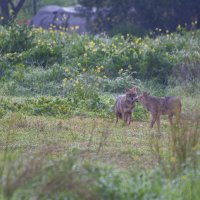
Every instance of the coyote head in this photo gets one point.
(131, 95)
(144, 97)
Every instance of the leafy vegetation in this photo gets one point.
(175, 54)
(43, 157)
(142, 14)
(58, 139)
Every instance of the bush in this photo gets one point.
(69, 179)
(151, 58)
(125, 28)
(16, 38)
(82, 89)
(32, 81)
(96, 105)
(124, 81)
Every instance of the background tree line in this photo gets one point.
(148, 14)
(134, 16)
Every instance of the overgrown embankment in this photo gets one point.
(36, 62)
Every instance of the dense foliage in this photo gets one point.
(68, 180)
(81, 67)
(166, 15)
(157, 58)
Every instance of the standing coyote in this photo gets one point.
(169, 105)
(125, 104)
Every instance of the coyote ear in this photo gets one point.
(138, 91)
(127, 90)
(134, 89)
(145, 93)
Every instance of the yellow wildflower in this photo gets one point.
(76, 27)
(77, 82)
(184, 178)
(65, 81)
(66, 70)
(173, 159)
(91, 44)
(98, 69)
(94, 50)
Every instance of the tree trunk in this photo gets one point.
(4, 10)
(34, 7)
(4, 5)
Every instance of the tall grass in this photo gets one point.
(49, 170)
(180, 150)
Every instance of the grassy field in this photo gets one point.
(40, 153)
(96, 139)
(58, 137)
(93, 140)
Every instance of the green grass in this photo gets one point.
(95, 136)
(58, 137)
(48, 157)
(52, 140)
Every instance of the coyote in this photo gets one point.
(169, 105)
(124, 105)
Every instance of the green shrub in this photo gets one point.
(16, 38)
(139, 113)
(96, 105)
(47, 106)
(68, 179)
(125, 28)
(82, 89)
(155, 59)
(33, 81)
(186, 88)
(7, 106)
(44, 53)
(119, 84)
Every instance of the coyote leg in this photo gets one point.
(170, 119)
(178, 115)
(126, 117)
(129, 118)
(153, 120)
(116, 118)
(158, 122)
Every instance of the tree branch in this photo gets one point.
(19, 6)
(16, 8)
(11, 4)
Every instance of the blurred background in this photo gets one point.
(137, 17)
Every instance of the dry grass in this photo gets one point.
(29, 143)
(95, 139)
(31, 146)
